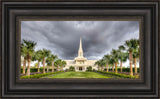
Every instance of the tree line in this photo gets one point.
(29, 54)
(130, 50)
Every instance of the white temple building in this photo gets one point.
(80, 63)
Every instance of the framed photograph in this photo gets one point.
(69, 49)
(100, 58)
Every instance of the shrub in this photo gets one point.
(94, 70)
(125, 69)
(89, 68)
(67, 70)
(71, 68)
(36, 70)
(119, 75)
(40, 75)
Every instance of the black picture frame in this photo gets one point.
(146, 11)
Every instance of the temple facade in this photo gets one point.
(81, 63)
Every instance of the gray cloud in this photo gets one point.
(62, 37)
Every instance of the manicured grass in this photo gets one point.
(78, 75)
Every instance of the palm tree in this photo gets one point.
(131, 45)
(45, 53)
(123, 58)
(63, 65)
(37, 56)
(24, 54)
(98, 63)
(135, 56)
(121, 48)
(49, 62)
(58, 63)
(107, 58)
(102, 63)
(111, 62)
(115, 54)
(53, 58)
(30, 45)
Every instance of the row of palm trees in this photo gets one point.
(130, 50)
(29, 54)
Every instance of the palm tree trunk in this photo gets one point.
(58, 68)
(52, 66)
(130, 58)
(135, 65)
(24, 66)
(116, 67)
(121, 66)
(43, 65)
(28, 69)
(107, 67)
(61, 68)
(47, 68)
(38, 66)
(113, 68)
(98, 68)
(102, 68)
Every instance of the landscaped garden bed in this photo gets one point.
(117, 74)
(41, 75)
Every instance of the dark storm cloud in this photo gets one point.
(62, 37)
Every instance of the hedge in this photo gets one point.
(41, 70)
(36, 70)
(123, 69)
(40, 75)
(117, 74)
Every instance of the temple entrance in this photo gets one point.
(80, 68)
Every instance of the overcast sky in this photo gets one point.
(62, 37)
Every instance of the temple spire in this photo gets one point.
(80, 51)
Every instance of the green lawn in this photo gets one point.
(78, 75)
